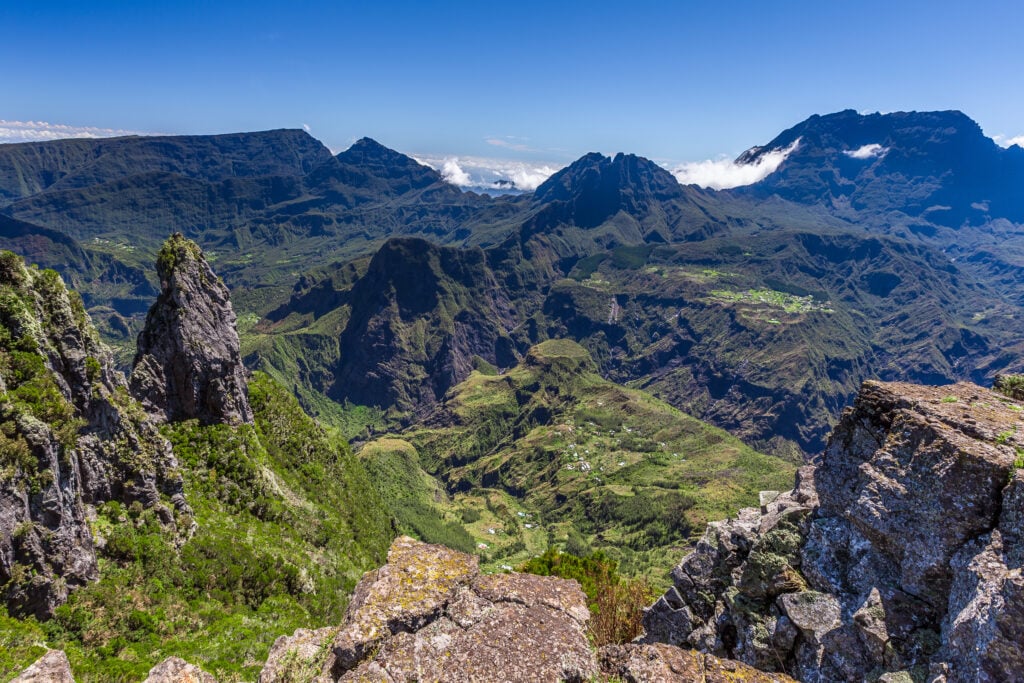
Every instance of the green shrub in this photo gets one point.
(1011, 386)
(616, 603)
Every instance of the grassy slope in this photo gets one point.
(551, 453)
(287, 522)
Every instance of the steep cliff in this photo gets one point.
(188, 364)
(419, 316)
(898, 555)
(71, 438)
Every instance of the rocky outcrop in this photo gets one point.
(899, 555)
(429, 615)
(71, 439)
(188, 364)
(177, 670)
(52, 667)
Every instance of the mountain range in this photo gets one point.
(572, 381)
(884, 245)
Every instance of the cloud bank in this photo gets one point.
(490, 174)
(1004, 141)
(41, 131)
(872, 151)
(722, 174)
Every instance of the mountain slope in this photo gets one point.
(549, 451)
(935, 166)
(419, 317)
(202, 540)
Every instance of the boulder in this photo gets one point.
(177, 670)
(52, 667)
(428, 614)
(657, 663)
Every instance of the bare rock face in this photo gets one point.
(188, 364)
(299, 657)
(177, 670)
(428, 614)
(899, 555)
(72, 439)
(53, 667)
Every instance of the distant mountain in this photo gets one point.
(596, 188)
(935, 166)
(421, 316)
(30, 168)
(701, 296)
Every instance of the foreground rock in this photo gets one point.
(188, 364)
(52, 667)
(899, 555)
(72, 438)
(177, 670)
(429, 615)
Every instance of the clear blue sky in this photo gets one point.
(668, 80)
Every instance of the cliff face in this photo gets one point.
(900, 552)
(419, 316)
(71, 438)
(188, 364)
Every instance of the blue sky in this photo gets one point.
(537, 82)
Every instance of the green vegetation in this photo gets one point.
(616, 603)
(30, 300)
(287, 523)
(413, 496)
(790, 303)
(550, 452)
(21, 643)
(1011, 386)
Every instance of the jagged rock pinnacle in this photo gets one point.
(188, 364)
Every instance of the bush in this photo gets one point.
(1011, 386)
(616, 603)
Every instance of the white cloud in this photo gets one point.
(306, 127)
(453, 173)
(872, 151)
(485, 173)
(1004, 141)
(722, 174)
(41, 131)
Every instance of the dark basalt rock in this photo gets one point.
(72, 438)
(188, 364)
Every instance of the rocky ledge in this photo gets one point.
(897, 558)
(429, 615)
